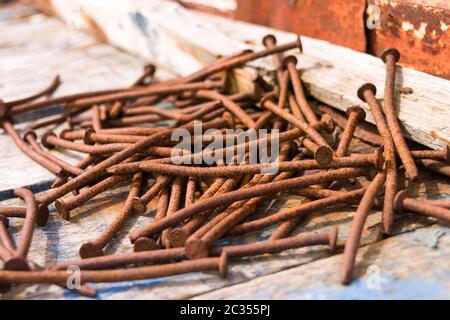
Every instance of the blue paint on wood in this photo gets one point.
(411, 288)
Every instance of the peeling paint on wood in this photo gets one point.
(420, 30)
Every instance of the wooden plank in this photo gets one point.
(408, 266)
(183, 41)
(32, 51)
(60, 240)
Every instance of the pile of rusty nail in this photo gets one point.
(125, 137)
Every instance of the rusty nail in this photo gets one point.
(30, 219)
(438, 155)
(54, 85)
(65, 206)
(359, 219)
(95, 247)
(255, 191)
(297, 211)
(390, 57)
(55, 276)
(140, 203)
(313, 134)
(322, 154)
(317, 238)
(367, 94)
(435, 166)
(290, 62)
(355, 115)
(27, 150)
(426, 208)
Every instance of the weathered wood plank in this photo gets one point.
(183, 41)
(413, 265)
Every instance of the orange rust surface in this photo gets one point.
(420, 30)
(338, 21)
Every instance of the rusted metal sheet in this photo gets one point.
(419, 29)
(338, 21)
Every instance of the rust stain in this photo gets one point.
(94, 27)
(420, 32)
(436, 135)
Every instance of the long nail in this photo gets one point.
(359, 219)
(438, 155)
(31, 138)
(63, 207)
(140, 203)
(177, 189)
(269, 41)
(179, 235)
(367, 94)
(359, 160)
(50, 141)
(290, 62)
(361, 132)
(322, 154)
(241, 59)
(95, 247)
(229, 104)
(140, 92)
(435, 166)
(310, 131)
(426, 208)
(19, 212)
(50, 276)
(150, 243)
(297, 212)
(32, 105)
(30, 219)
(23, 146)
(355, 115)
(45, 92)
(311, 239)
(390, 57)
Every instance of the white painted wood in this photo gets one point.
(183, 41)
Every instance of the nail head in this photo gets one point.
(390, 51)
(45, 138)
(367, 86)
